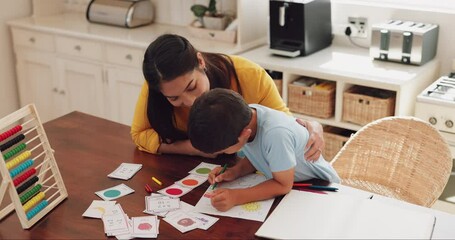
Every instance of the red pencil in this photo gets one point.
(302, 184)
(148, 188)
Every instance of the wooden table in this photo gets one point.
(87, 149)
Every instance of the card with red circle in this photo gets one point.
(175, 190)
(192, 181)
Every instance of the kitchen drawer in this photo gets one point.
(80, 48)
(32, 39)
(122, 55)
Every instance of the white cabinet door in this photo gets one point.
(81, 84)
(124, 88)
(36, 75)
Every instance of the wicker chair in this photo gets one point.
(399, 157)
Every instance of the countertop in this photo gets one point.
(76, 25)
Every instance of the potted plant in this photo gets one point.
(209, 17)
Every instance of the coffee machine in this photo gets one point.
(299, 27)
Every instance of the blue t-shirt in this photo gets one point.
(279, 145)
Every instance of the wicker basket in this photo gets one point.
(334, 138)
(317, 99)
(279, 85)
(362, 105)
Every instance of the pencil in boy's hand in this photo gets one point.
(302, 184)
(323, 188)
(222, 171)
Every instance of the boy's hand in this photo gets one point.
(223, 199)
(215, 176)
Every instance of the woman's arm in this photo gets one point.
(147, 139)
(143, 135)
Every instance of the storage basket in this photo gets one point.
(316, 98)
(362, 105)
(334, 138)
(279, 85)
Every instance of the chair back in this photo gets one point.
(399, 157)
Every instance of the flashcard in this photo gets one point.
(154, 195)
(162, 204)
(205, 220)
(114, 192)
(192, 180)
(182, 221)
(203, 169)
(116, 223)
(125, 171)
(145, 227)
(175, 190)
(98, 208)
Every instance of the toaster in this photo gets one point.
(124, 13)
(404, 41)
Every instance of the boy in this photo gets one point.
(272, 142)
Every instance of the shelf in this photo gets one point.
(340, 64)
(349, 67)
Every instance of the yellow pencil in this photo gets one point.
(157, 181)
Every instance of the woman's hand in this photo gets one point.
(316, 142)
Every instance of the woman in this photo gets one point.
(176, 74)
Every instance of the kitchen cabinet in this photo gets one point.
(124, 87)
(65, 63)
(36, 72)
(37, 81)
(82, 87)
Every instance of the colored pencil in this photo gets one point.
(302, 184)
(157, 181)
(222, 171)
(148, 188)
(323, 188)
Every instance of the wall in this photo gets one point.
(375, 14)
(8, 89)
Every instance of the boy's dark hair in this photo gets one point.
(217, 119)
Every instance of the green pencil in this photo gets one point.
(222, 171)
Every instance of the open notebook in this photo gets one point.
(308, 215)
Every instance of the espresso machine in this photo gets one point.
(299, 27)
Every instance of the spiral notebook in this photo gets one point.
(302, 215)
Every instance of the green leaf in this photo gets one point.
(199, 10)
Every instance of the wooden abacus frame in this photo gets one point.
(46, 171)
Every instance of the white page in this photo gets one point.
(337, 215)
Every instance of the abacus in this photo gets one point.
(28, 168)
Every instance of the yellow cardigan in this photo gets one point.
(257, 87)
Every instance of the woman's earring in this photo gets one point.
(205, 69)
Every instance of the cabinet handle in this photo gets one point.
(55, 90)
(32, 40)
(62, 92)
(129, 57)
(77, 48)
(449, 123)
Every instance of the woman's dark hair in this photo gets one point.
(217, 119)
(167, 58)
